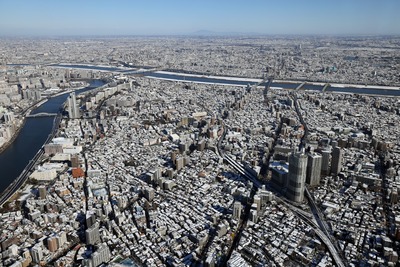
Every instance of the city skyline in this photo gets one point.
(172, 151)
(28, 18)
(198, 133)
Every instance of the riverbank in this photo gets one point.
(28, 111)
(254, 80)
(22, 153)
(15, 135)
(69, 91)
(101, 68)
(228, 78)
(181, 75)
(18, 183)
(17, 131)
(188, 81)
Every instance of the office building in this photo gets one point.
(336, 161)
(257, 202)
(52, 149)
(26, 258)
(149, 193)
(42, 192)
(279, 170)
(297, 176)
(201, 145)
(326, 156)
(8, 117)
(237, 210)
(180, 163)
(92, 235)
(36, 254)
(75, 161)
(253, 216)
(31, 94)
(314, 164)
(394, 196)
(61, 239)
(73, 111)
(210, 260)
(184, 147)
(266, 196)
(101, 255)
(52, 244)
(90, 218)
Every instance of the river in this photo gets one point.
(31, 138)
(89, 67)
(36, 130)
(177, 76)
(286, 85)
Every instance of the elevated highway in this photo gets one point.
(315, 221)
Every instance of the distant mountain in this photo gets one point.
(203, 32)
(213, 33)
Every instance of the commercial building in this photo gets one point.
(326, 156)
(297, 176)
(50, 149)
(279, 171)
(237, 210)
(336, 161)
(44, 175)
(92, 235)
(314, 163)
(101, 255)
(52, 244)
(36, 254)
(42, 192)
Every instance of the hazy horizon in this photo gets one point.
(149, 18)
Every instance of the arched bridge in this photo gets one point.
(41, 114)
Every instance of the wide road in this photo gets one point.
(10, 191)
(314, 208)
(301, 214)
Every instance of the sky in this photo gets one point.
(176, 17)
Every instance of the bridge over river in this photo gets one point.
(41, 114)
